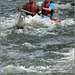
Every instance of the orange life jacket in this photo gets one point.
(31, 8)
(46, 6)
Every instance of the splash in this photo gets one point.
(67, 22)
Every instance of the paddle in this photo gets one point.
(27, 12)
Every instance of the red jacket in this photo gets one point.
(46, 6)
(31, 8)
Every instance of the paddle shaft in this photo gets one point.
(27, 11)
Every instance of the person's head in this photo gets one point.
(31, 1)
(46, 1)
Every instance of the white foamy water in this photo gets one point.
(7, 23)
(67, 22)
(36, 24)
(62, 6)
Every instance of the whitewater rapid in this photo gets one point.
(41, 48)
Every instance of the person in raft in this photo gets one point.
(47, 8)
(31, 7)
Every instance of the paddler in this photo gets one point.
(47, 8)
(31, 7)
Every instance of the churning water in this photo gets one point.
(42, 47)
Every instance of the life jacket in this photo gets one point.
(31, 8)
(46, 6)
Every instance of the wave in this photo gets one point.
(33, 25)
(64, 67)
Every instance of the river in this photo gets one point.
(42, 47)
